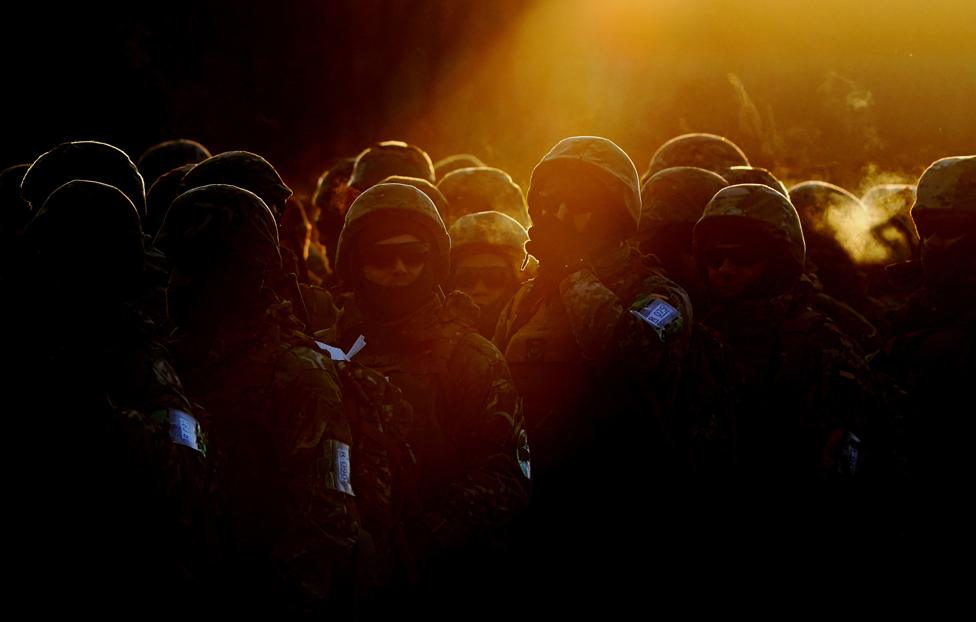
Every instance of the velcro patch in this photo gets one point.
(338, 474)
(662, 317)
(185, 430)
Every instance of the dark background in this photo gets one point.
(849, 92)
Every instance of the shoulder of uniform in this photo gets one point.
(303, 362)
(459, 307)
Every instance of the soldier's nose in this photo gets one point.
(399, 267)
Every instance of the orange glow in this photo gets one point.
(830, 90)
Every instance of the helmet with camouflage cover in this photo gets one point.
(217, 221)
(946, 191)
(489, 232)
(245, 170)
(604, 161)
(759, 209)
(392, 157)
(86, 159)
(676, 196)
(393, 208)
(708, 151)
(167, 155)
(102, 216)
(736, 175)
(427, 188)
(452, 163)
(483, 189)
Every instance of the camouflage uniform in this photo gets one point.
(466, 423)
(599, 372)
(125, 454)
(286, 443)
(805, 384)
(471, 190)
(932, 353)
(575, 341)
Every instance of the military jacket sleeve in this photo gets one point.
(647, 331)
(316, 545)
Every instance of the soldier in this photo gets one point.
(466, 427)
(703, 416)
(244, 170)
(830, 267)
(707, 151)
(487, 255)
(167, 155)
(672, 202)
(931, 354)
(597, 315)
(286, 444)
(391, 157)
(329, 198)
(806, 393)
(595, 342)
(125, 456)
(471, 190)
(312, 304)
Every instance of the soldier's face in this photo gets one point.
(571, 200)
(486, 277)
(734, 270)
(396, 261)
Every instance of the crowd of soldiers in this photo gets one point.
(418, 384)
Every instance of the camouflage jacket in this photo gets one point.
(285, 446)
(465, 421)
(931, 355)
(589, 349)
(803, 383)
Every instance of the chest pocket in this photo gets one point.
(545, 338)
(421, 377)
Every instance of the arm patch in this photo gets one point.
(662, 317)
